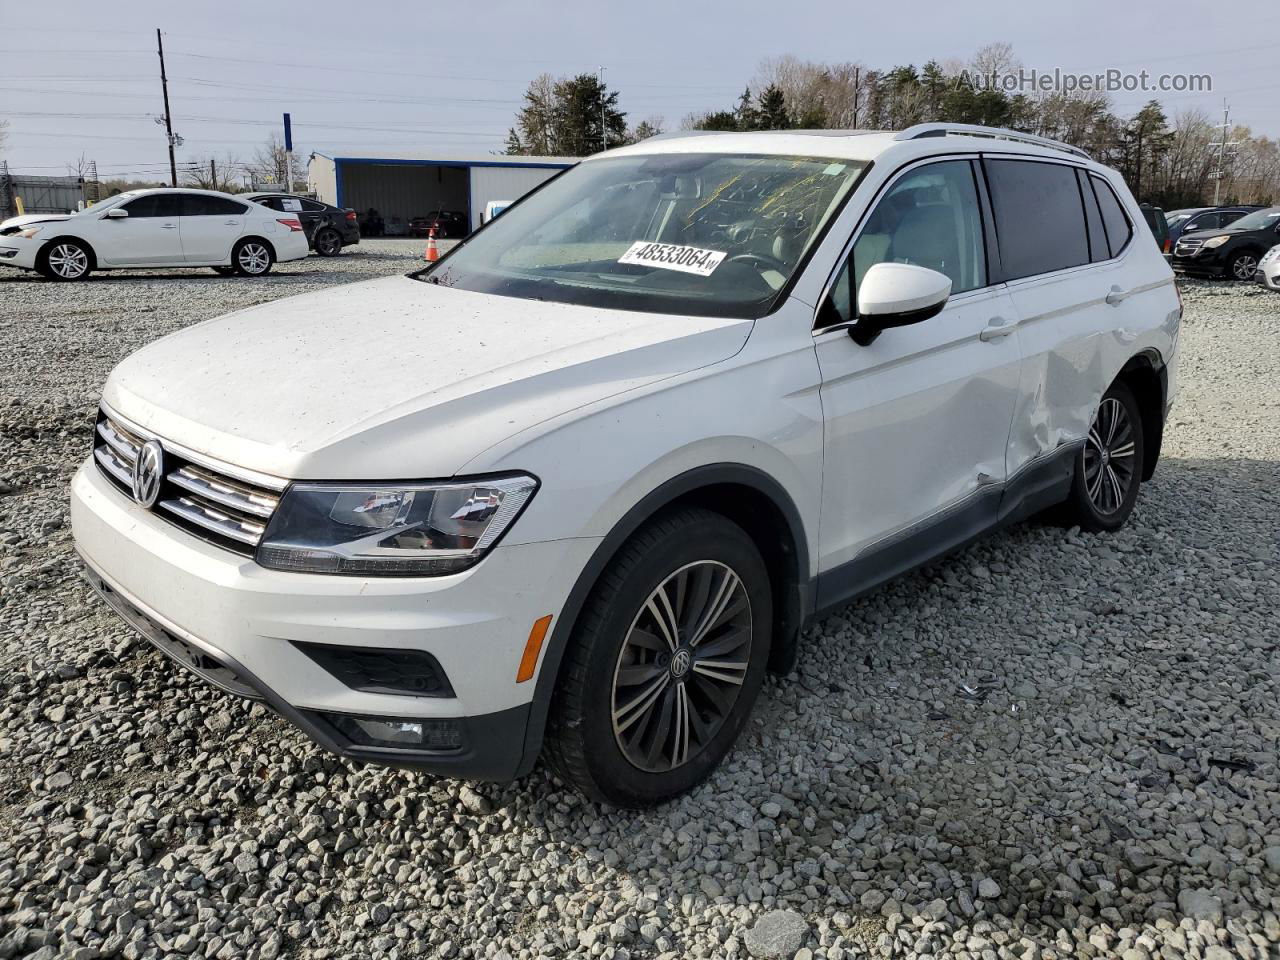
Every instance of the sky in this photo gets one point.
(424, 76)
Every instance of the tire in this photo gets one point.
(65, 260)
(328, 242)
(1109, 467)
(252, 257)
(1243, 266)
(224, 271)
(635, 720)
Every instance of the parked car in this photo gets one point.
(1204, 218)
(328, 228)
(1269, 269)
(1230, 252)
(449, 224)
(570, 492)
(154, 228)
(1159, 225)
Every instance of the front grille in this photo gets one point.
(219, 504)
(1187, 247)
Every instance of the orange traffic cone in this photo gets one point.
(431, 254)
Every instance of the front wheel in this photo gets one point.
(1244, 266)
(665, 662)
(66, 260)
(1109, 467)
(252, 258)
(328, 242)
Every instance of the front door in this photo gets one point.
(149, 235)
(916, 423)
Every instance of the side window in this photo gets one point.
(154, 205)
(272, 202)
(311, 206)
(931, 218)
(1093, 219)
(1118, 227)
(1039, 217)
(200, 205)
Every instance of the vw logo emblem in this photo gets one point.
(148, 471)
(680, 661)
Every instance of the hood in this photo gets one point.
(13, 224)
(395, 378)
(1230, 228)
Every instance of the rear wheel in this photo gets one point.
(328, 242)
(665, 663)
(1109, 467)
(66, 260)
(252, 257)
(1244, 265)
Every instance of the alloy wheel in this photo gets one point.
(254, 258)
(1109, 457)
(1245, 266)
(681, 666)
(68, 261)
(328, 243)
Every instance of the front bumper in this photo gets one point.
(1269, 275)
(1211, 264)
(239, 626)
(18, 252)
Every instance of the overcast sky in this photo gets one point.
(376, 75)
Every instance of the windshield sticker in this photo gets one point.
(672, 256)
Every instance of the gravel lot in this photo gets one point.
(1050, 745)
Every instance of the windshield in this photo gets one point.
(701, 234)
(1259, 220)
(1177, 218)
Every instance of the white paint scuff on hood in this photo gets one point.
(395, 378)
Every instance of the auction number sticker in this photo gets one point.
(672, 256)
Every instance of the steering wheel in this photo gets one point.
(762, 258)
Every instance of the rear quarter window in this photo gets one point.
(1119, 229)
(1039, 216)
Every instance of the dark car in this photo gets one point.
(449, 224)
(328, 228)
(1205, 218)
(1158, 224)
(1232, 251)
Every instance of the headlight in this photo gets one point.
(29, 232)
(391, 530)
(1214, 242)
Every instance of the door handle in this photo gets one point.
(996, 328)
(231, 223)
(1117, 296)
(168, 226)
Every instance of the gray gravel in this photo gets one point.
(1050, 745)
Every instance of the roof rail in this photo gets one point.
(995, 133)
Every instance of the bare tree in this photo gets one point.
(269, 162)
(212, 173)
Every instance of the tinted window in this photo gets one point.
(931, 218)
(1230, 216)
(272, 202)
(1119, 230)
(1039, 217)
(1093, 220)
(154, 205)
(311, 206)
(200, 205)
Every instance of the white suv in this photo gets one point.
(572, 490)
(144, 229)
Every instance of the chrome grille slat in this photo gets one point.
(210, 518)
(229, 509)
(114, 466)
(226, 493)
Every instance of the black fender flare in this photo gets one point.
(664, 495)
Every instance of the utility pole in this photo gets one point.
(1220, 172)
(168, 119)
(213, 174)
(604, 134)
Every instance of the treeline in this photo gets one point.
(1168, 160)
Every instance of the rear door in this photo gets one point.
(210, 225)
(1061, 243)
(150, 235)
(915, 424)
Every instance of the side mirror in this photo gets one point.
(897, 295)
(115, 213)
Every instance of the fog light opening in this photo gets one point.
(404, 733)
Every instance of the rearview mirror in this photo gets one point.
(897, 295)
(116, 213)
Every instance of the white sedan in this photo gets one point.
(154, 228)
(1269, 269)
